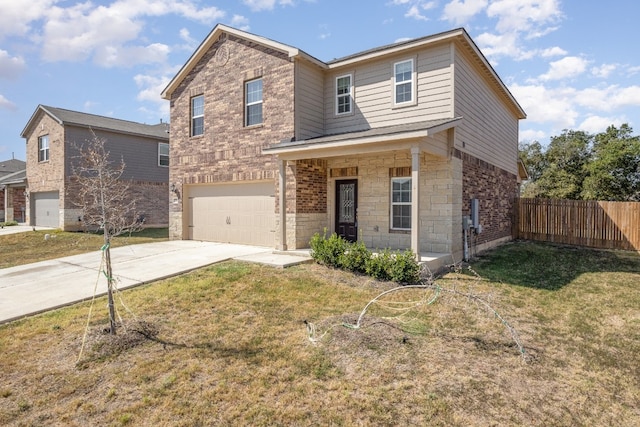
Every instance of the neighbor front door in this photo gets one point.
(347, 209)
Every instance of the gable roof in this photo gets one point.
(18, 177)
(458, 35)
(76, 118)
(213, 36)
(11, 166)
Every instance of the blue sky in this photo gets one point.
(570, 64)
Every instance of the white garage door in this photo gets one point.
(46, 209)
(233, 213)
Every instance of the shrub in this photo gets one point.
(328, 251)
(8, 223)
(405, 268)
(355, 258)
(334, 251)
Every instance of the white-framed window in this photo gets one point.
(401, 203)
(163, 154)
(403, 82)
(253, 102)
(197, 115)
(43, 148)
(343, 94)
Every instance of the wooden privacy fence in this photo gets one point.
(607, 225)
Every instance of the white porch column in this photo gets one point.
(282, 180)
(415, 201)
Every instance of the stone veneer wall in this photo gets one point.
(440, 195)
(496, 191)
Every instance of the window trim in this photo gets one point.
(392, 204)
(45, 150)
(248, 104)
(412, 81)
(161, 155)
(194, 116)
(348, 94)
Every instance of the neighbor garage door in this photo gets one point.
(46, 209)
(233, 213)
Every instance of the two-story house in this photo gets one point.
(53, 136)
(394, 146)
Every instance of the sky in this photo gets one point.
(570, 64)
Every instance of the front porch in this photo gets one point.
(366, 166)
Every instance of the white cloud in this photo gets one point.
(597, 124)
(240, 22)
(567, 67)
(528, 16)
(16, 16)
(109, 34)
(497, 45)
(604, 70)
(259, 5)
(11, 67)
(414, 12)
(543, 105)
(5, 104)
(553, 51)
(461, 11)
(532, 135)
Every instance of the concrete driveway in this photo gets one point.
(34, 288)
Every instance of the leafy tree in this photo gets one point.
(106, 202)
(614, 171)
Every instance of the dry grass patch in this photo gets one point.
(31, 246)
(228, 345)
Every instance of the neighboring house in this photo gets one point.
(52, 135)
(12, 190)
(270, 145)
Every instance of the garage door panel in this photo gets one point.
(238, 213)
(46, 209)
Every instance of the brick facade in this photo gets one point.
(54, 175)
(228, 151)
(495, 190)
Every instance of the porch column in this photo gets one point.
(415, 201)
(282, 180)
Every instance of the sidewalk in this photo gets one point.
(34, 288)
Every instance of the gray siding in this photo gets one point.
(308, 101)
(373, 92)
(140, 154)
(489, 130)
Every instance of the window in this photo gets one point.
(253, 102)
(403, 82)
(343, 94)
(197, 115)
(401, 203)
(43, 148)
(163, 154)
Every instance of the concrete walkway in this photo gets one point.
(34, 288)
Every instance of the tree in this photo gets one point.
(614, 171)
(106, 202)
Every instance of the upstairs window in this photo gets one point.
(163, 154)
(197, 115)
(343, 94)
(253, 102)
(403, 82)
(401, 203)
(43, 148)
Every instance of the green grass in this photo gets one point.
(31, 246)
(228, 345)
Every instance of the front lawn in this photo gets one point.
(229, 345)
(31, 246)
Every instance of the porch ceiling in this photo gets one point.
(398, 137)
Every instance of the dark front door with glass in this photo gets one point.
(347, 209)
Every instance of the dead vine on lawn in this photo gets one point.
(433, 292)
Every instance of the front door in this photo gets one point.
(347, 209)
